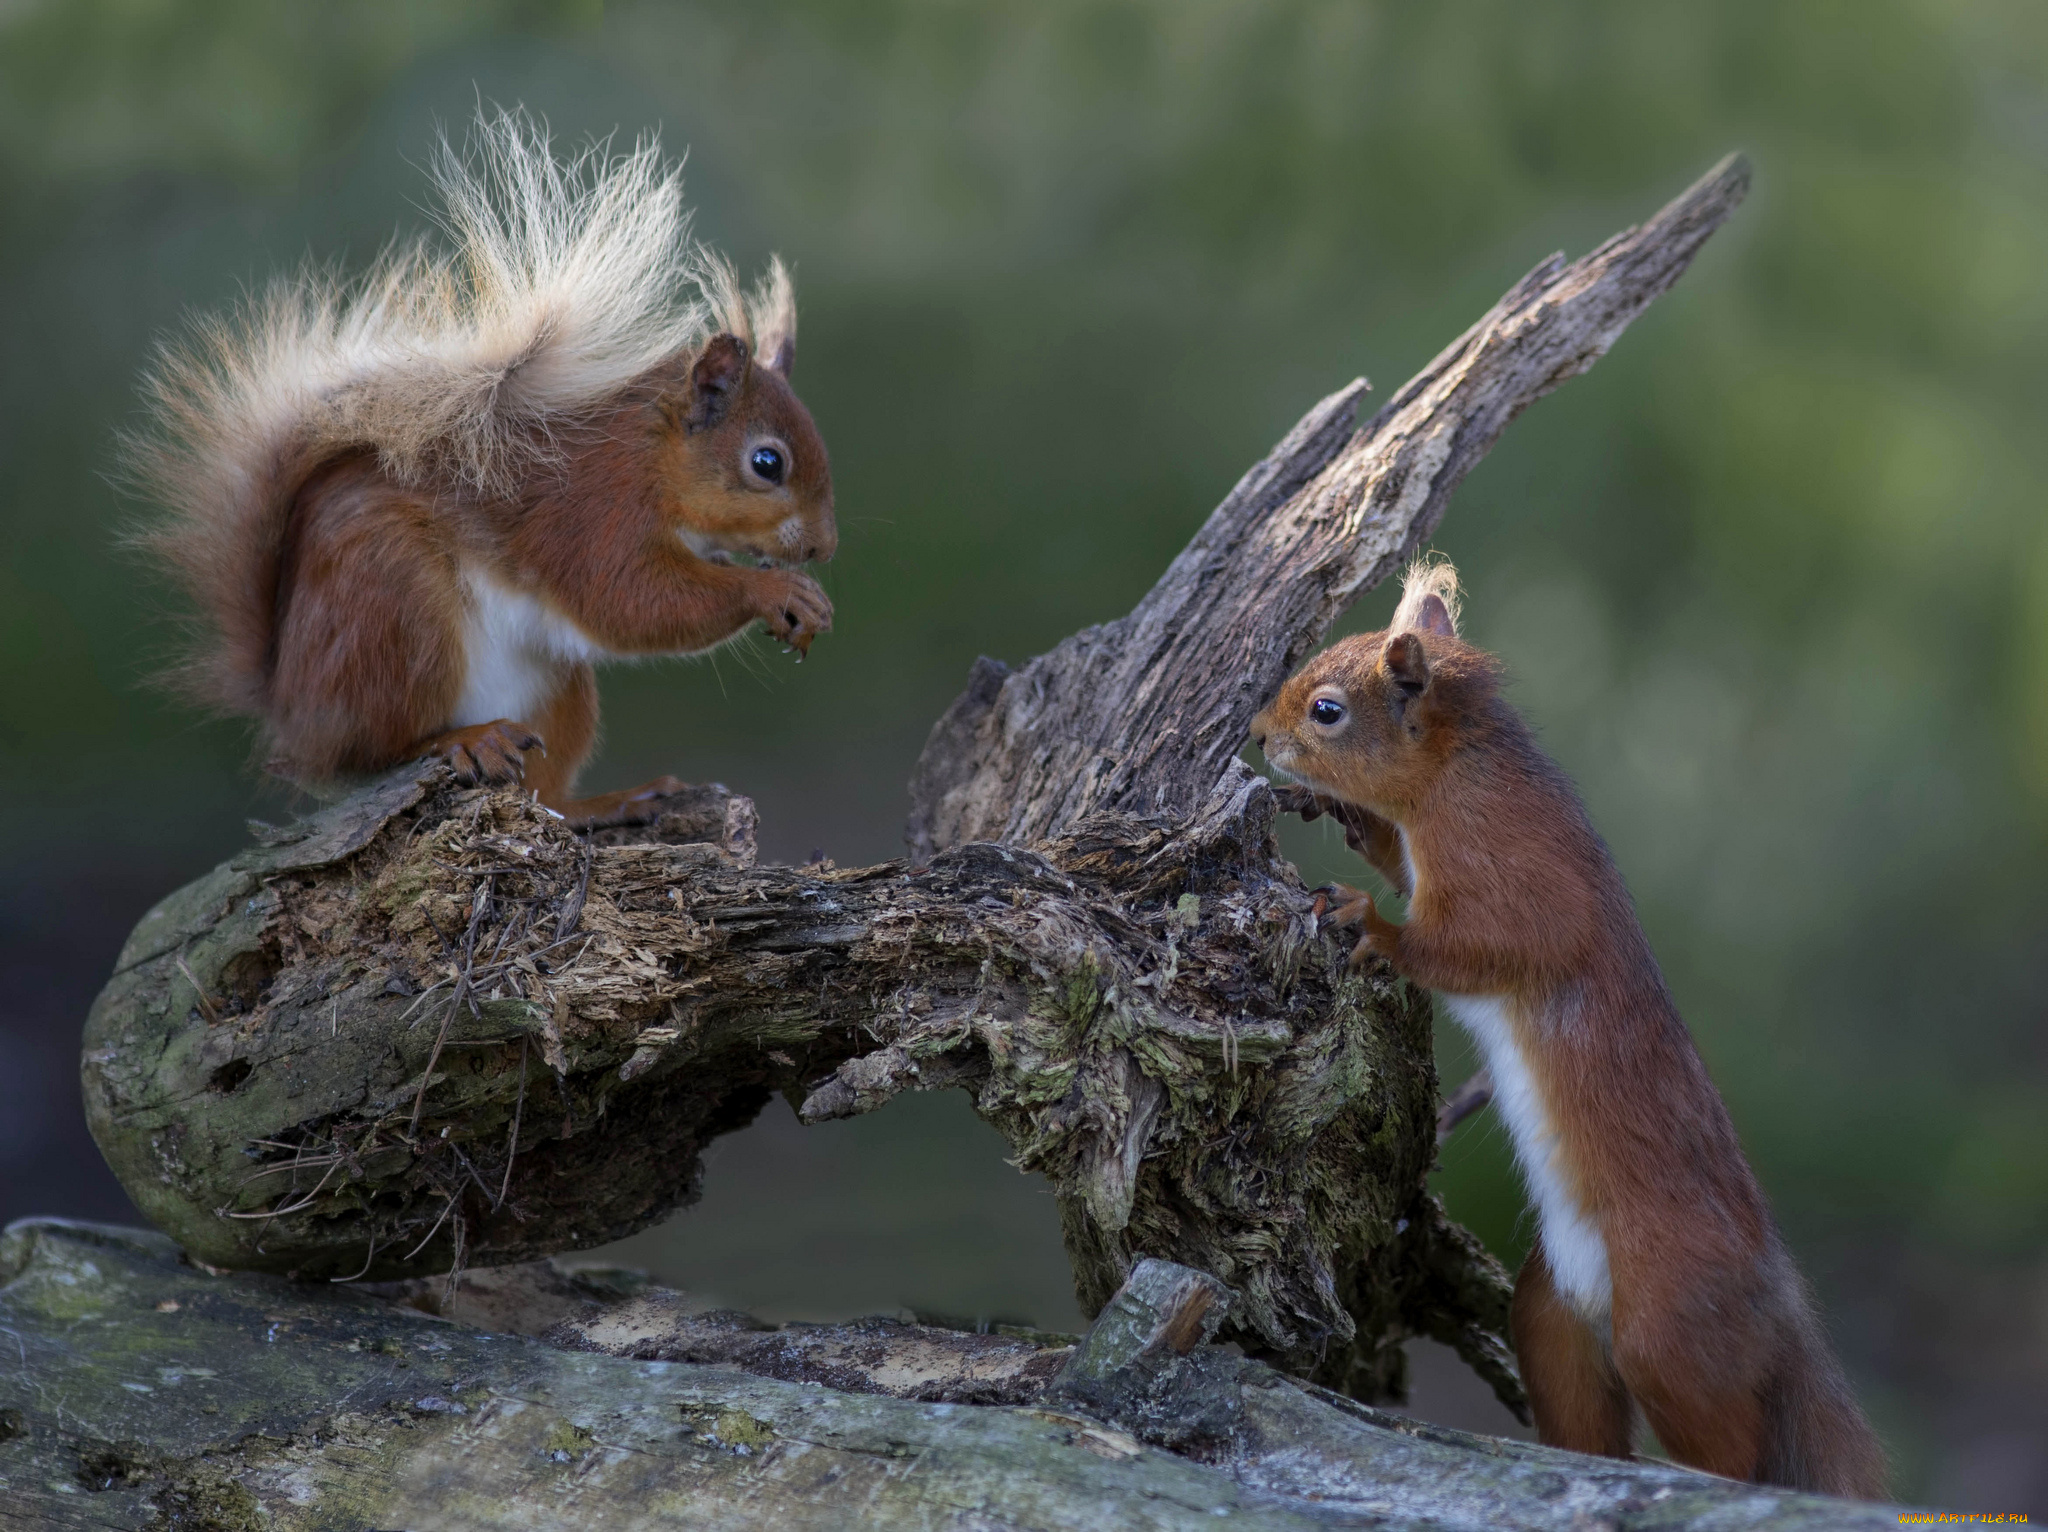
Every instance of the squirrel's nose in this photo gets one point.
(1259, 738)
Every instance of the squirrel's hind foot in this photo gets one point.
(486, 752)
(632, 806)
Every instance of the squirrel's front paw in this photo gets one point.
(1293, 798)
(487, 752)
(1349, 904)
(795, 607)
(1382, 937)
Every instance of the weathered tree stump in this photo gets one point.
(430, 1027)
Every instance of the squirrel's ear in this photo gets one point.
(1407, 664)
(1435, 617)
(715, 381)
(785, 355)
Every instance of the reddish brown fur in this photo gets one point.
(348, 639)
(1710, 1332)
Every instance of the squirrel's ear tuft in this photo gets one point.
(1429, 596)
(715, 381)
(1407, 664)
(771, 313)
(1435, 617)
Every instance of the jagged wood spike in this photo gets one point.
(1147, 713)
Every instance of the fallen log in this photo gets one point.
(431, 1028)
(138, 1391)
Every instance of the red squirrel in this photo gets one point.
(1659, 1280)
(415, 509)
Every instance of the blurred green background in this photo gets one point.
(1772, 580)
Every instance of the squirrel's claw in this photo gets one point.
(797, 611)
(1350, 904)
(489, 752)
(1381, 937)
(1293, 798)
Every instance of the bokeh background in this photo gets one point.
(1772, 580)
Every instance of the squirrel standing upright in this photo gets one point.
(414, 509)
(1659, 1278)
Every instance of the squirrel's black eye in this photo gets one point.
(768, 463)
(1326, 712)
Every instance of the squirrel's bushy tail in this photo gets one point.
(1815, 1435)
(560, 282)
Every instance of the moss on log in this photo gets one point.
(140, 1392)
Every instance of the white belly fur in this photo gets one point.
(514, 646)
(1572, 1242)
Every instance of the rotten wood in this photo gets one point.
(415, 1063)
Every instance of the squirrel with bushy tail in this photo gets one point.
(1659, 1282)
(415, 508)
